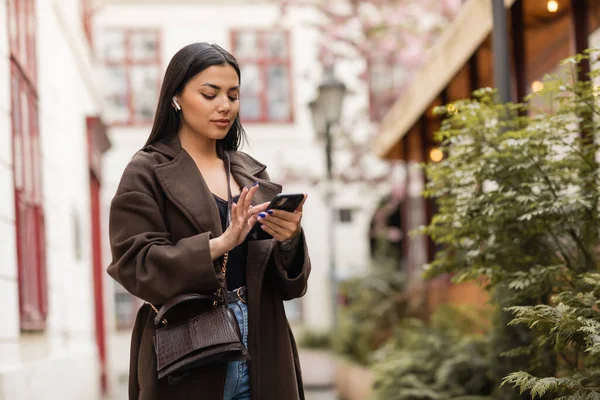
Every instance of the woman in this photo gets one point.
(168, 234)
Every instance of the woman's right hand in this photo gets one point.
(241, 219)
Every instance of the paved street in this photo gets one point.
(311, 394)
(321, 395)
(318, 375)
(317, 371)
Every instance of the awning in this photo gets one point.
(452, 50)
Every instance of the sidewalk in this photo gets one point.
(321, 395)
(318, 374)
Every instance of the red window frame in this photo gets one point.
(128, 63)
(29, 212)
(381, 102)
(263, 62)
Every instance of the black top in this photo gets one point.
(236, 263)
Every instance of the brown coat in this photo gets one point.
(161, 220)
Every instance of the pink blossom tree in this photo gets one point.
(398, 29)
(397, 32)
(388, 35)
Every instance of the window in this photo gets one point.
(132, 66)
(29, 214)
(126, 307)
(345, 215)
(385, 77)
(266, 92)
(124, 311)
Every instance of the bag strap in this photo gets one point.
(175, 301)
(223, 289)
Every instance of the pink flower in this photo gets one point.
(451, 7)
(388, 44)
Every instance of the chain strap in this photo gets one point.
(164, 320)
(223, 271)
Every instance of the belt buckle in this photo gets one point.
(237, 292)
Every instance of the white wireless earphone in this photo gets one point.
(176, 104)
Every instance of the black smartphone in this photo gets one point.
(286, 201)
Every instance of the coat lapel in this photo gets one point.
(266, 189)
(186, 189)
(246, 172)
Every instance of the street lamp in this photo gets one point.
(318, 118)
(326, 110)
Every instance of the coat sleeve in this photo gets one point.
(292, 273)
(144, 259)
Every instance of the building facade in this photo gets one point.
(540, 34)
(51, 141)
(79, 81)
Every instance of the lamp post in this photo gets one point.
(500, 48)
(326, 110)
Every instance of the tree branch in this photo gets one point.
(566, 360)
(561, 250)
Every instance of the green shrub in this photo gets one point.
(311, 339)
(436, 362)
(371, 311)
(517, 198)
(572, 326)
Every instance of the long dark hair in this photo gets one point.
(184, 65)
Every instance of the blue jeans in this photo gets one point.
(237, 383)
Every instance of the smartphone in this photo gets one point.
(287, 202)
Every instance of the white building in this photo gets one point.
(280, 74)
(66, 325)
(50, 142)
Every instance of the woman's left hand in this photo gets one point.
(282, 225)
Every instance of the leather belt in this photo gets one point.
(239, 294)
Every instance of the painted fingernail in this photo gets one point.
(262, 215)
(270, 212)
(255, 183)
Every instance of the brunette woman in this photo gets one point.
(169, 232)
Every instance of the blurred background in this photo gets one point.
(337, 99)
